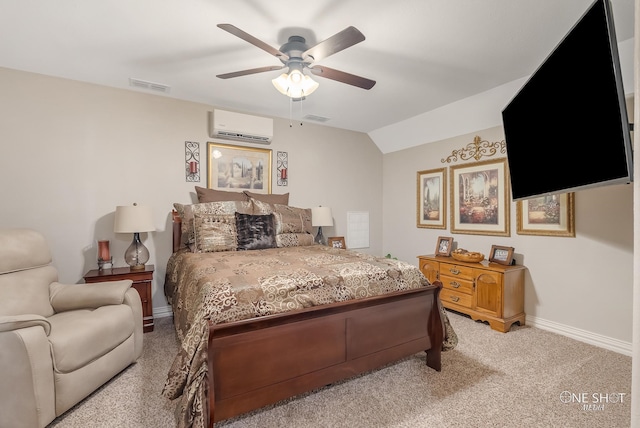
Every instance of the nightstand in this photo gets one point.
(142, 280)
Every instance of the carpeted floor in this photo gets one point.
(525, 378)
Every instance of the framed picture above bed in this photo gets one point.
(238, 168)
(432, 199)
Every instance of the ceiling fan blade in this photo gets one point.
(250, 71)
(254, 41)
(341, 76)
(339, 41)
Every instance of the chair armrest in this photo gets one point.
(67, 297)
(16, 322)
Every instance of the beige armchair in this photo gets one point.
(58, 342)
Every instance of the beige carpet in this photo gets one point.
(525, 378)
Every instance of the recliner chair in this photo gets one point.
(58, 342)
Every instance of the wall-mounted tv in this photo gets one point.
(567, 128)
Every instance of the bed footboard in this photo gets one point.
(258, 362)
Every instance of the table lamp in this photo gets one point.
(321, 216)
(134, 219)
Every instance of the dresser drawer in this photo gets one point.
(448, 296)
(457, 284)
(460, 271)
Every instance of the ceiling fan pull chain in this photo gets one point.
(301, 113)
(290, 113)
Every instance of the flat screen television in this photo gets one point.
(567, 128)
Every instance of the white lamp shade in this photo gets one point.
(133, 219)
(321, 216)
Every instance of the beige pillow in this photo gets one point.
(261, 208)
(213, 195)
(186, 213)
(289, 219)
(215, 232)
(294, 240)
(270, 199)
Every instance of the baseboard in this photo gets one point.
(162, 312)
(599, 340)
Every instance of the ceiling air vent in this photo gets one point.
(144, 84)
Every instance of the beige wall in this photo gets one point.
(71, 152)
(582, 286)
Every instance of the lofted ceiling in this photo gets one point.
(423, 54)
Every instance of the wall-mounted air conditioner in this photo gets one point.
(240, 127)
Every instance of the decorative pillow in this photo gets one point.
(289, 219)
(294, 240)
(214, 232)
(259, 207)
(212, 195)
(255, 231)
(270, 199)
(186, 213)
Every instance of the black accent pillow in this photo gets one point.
(255, 232)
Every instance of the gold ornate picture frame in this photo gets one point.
(480, 202)
(238, 168)
(552, 215)
(431, 203)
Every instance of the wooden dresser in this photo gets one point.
(485, 291)
(142, 280)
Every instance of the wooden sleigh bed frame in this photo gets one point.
(260, 361)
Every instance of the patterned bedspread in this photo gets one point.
(236, 285)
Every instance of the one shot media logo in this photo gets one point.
(593, 401)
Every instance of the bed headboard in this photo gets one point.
(177, 230)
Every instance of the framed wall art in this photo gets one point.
(337, 242)
(443, 246)
(238, 168)
(502, 255)
(480, 203)
(551, 215)
(431, 203)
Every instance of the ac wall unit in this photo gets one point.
(240, 127)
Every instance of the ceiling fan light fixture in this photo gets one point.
(295, 84)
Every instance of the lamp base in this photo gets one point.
(319, 239)
(137, 254)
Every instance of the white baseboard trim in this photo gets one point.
(162, 312)
(599, 340)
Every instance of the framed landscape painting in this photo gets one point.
(238, 168)
(431, 211)
(480, 203)
(551, 215)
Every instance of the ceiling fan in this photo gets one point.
(296, 56)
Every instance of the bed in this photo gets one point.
(283, 317)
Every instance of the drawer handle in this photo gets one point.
(455, 284)
(454, 271)
(454, 298)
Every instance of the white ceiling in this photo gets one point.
(424, 54)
